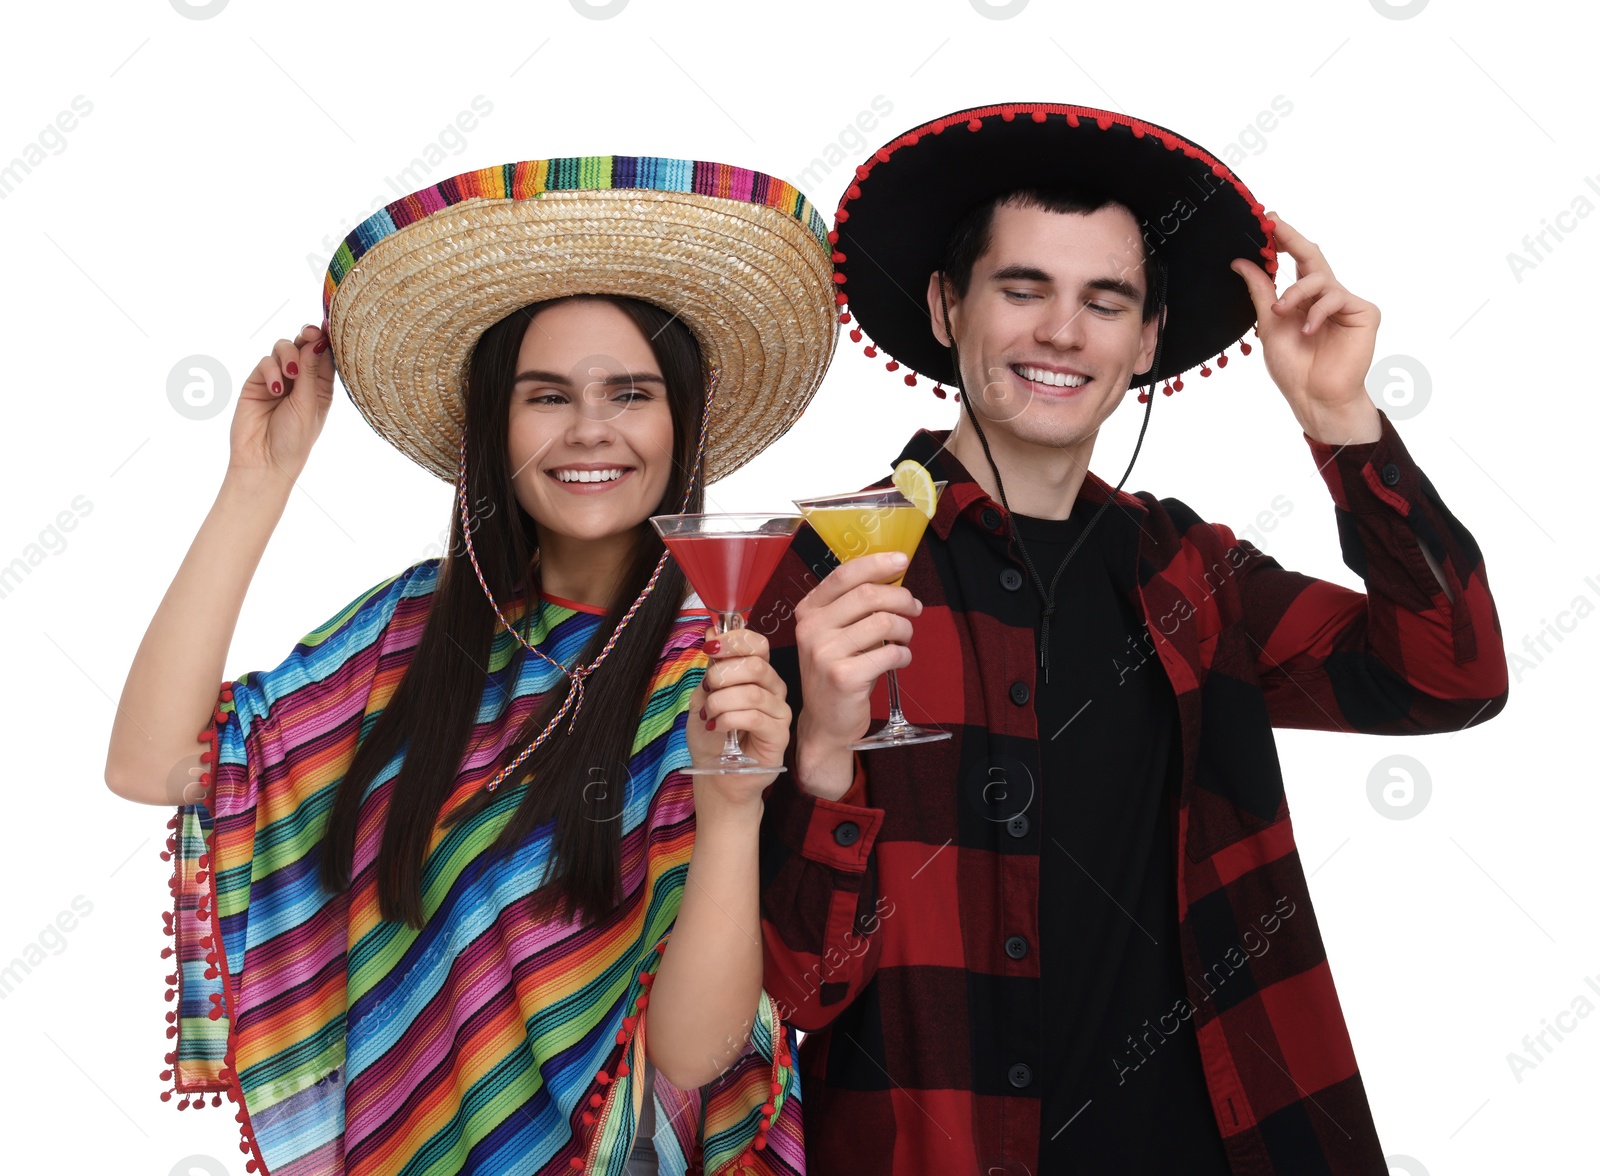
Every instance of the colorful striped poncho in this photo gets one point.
(483, 1043)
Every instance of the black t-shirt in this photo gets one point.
(1123, 1088)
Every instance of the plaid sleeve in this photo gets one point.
(1406, 657)
(817, 865)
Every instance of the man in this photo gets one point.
(1075, 936)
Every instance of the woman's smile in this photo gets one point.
(589, 477)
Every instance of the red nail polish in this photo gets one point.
(293, 369)
(277, 387)
(712, 725)
(319, 347)
(713, 646)
(702, 712)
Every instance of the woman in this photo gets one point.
(439, 863)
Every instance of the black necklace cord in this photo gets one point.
(1047, 596)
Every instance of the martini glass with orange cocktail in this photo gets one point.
(865, 523)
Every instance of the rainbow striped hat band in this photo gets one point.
(741, 257)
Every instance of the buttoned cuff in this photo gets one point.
(1373, 477)
(835, 833)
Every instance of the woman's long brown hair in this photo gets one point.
(434, 707)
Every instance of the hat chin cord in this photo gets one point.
(574, 700)
(1047, 595)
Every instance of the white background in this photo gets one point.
(192, 211)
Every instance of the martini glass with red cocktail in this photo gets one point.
(728, 559)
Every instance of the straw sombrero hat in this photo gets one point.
(741, 257)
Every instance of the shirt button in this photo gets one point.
(990, 518)
(1391, 473)
(846, 832)
(1011, 579)
(1021, 1075)
(1019, 693)
(1016, 947)
(1017, 826)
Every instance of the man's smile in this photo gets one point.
(1049, 380)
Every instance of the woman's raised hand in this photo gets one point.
(743, 692)
(282, 407)
(171, 691)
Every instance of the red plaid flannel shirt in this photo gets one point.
(884, 913)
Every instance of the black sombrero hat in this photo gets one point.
(1194, 214)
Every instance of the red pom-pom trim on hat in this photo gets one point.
(1222, 360)
(1244, 348)
(938, 390)
(1039, 113)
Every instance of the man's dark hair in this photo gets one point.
(970, 238)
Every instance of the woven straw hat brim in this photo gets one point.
(752, 283)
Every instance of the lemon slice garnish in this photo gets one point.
(912, 479)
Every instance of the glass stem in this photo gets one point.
(896, 719)
(730, 745)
